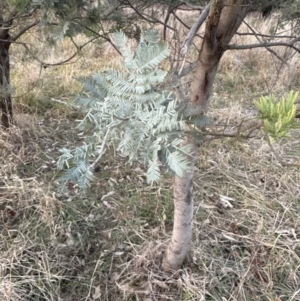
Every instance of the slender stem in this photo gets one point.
(102, 147)
(101, 150)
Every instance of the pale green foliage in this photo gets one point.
(81, 173)
(278, 116)
(124, 111)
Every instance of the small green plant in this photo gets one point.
(126, 110)
(278, 116)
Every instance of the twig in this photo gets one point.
(181, 21)
(102, 147)
(101, 151)
(242, 130)
(187, 69)
(146, 17)
(97, 34)
(258, 36)
(45, 65)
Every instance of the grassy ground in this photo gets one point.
(107, 245)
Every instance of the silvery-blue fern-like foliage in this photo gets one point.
(125, 111)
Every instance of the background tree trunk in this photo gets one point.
(5, 94)
(223, 20)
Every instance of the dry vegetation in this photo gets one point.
(107, 245)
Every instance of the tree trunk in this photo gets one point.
(223, 20)
(5, 94)
(183, 217)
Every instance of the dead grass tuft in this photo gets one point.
(143, 278)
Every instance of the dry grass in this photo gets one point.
(258, 71)
(45, 90)
(108, 244)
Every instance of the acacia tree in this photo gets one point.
(222, 19)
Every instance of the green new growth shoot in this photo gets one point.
(278, 116)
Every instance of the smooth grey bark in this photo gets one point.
(183, 218)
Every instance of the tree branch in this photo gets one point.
(166, 22)
(111, 11)
(22, 31)
(193, 31)
(148, 18)
(191, 6)
(99, 35)
(258, 36)
(244, 130)
(265, 44)
(44, 64)
(179, 19)
(265, 35)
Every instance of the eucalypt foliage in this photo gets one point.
(278, 115)
(124, 110)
